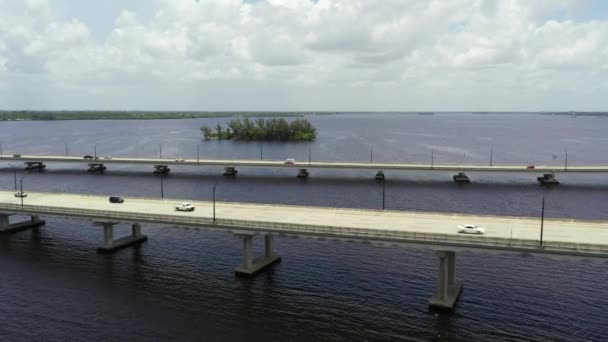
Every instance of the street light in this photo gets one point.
(214, 185)
(198, 153)
(162, 187)
(14, 174)
(491, 154)
(66, 148)
(261, 152)
(160, 151)
(371, 154)
(95, 150)
(21, 194)
(542, 220)
(383, 192)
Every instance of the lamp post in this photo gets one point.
(261, 152)
(214, 185)
(491, 154)
(432, 158)
(383, 192)
(160, 151)
(1, 151)
(542, 221)
(371, 154)
(21, 194)
(566, 160)
(198, 154)
(14, 175)
(162, 187)
(66, 148)
(309, 154)
(95, 150)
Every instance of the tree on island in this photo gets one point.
(262, 129)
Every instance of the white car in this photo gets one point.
(184, 207)
(471, 229)
(290, 161)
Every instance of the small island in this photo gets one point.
(276, 129)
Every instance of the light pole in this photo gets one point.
(95, 154)
(383, 192)
(14, 175)
(1, 151)
(21, 194)
(214, 185)
(160, 151)
(198, 153)
(261, 152)
(432, 158)
(566, 161)
(371, 154)
(491, 154)
(309, 154)
(162, 187)
(542, 221)
(66, 148)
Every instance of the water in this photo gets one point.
(180, 284)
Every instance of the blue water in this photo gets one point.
(180, 285)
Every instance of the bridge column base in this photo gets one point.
(34, 166)
(230, 171)
(109, 244)
(252, 266)
(7, 227)
(303, 173)
(462, 178)
(448, 287)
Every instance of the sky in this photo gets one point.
(304, 55)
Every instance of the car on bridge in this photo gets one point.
(290, 161)
(470, 229)
(184, 207)
(88, 157)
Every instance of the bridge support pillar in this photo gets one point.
(250, 265)
(448, 287)
(109, 244)
(96, 167)
(230, 171)
(462, 178)
(7, 227)
(32, 165)
(303, 173)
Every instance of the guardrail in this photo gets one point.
(382, 235)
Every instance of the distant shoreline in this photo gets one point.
(132, 115)
(27, 115)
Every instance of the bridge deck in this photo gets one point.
(315, 164)
(570, 237)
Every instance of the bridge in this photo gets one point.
(433, 231)
(161, 165)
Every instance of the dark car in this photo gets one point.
(88, 157)
(116, 199)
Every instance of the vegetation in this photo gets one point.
(130, 115)
(262, 129)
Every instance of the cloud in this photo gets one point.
(324, 54)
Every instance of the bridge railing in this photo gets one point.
(317, 230)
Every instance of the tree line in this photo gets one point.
(262, 129)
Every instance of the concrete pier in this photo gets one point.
(7, 227)
(303, 173)
(109, 244)
(380, 175)
(230, 171)
(462, 178)
(252, 266)
(34, 165)
(161, 169)
(547, 179)
(448, 287)
(96, 167)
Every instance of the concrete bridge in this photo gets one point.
(433, 231)
(161, 165)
